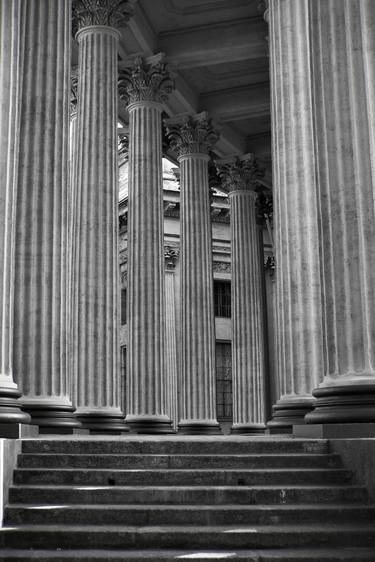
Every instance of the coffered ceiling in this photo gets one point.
(219, 51)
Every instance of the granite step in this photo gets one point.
(190, 537)
(279, 555)
(176, 446)
(207, 515)
(217, 495)
(292, 460)
(195, 477)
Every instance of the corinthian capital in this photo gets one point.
(191, 134)
(110, 13)
(147, 79)
(239, 173)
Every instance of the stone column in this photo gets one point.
(298, 288)
(191, 138)
(41, 274)
(145, 85)
(171, 255)
(10, 77)
(96, 274)
(343, 47)
(72, 205)
(239, 177)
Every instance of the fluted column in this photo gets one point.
(144, 85)
(171, 256)
(10, 77)
(95, 276)
(191, 138)
(342, 43)
(239, 177)
(41, 275)
(298, 288)
(72, 202)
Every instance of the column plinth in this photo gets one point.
(144, 86)
(343, 44)
(95, 281)
(191, 138)
(10, 75)
(41, 263)
(239, 177)
(297, 252)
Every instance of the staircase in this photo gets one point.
(138, 498)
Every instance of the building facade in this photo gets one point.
(246, 98)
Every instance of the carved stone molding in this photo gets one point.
(264, 8)
(191, 134)
(145, 79)
(73, 90)
(123, 147)
(269, 265)
(221, 266)
(171, 255)
(110, 13)
(239, 173)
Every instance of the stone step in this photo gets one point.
(186, 515)
(280, 555)
(182, 477)
(189, 445)
(292, 460)
(191, 537)
(180, 495)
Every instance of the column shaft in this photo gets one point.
(248, 346)
(198, 408)
(10, 77)
(146, 408)
(96, 279)
(40, 311)
(298, 288)
(171, 348)
(343, 67)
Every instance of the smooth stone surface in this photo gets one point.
(334, 430)
(359, 454)
(18, 430)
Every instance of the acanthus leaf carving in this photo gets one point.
(109, 13)
(148, 79)
(239, 173)
(191, 134)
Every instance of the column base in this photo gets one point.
(353, 403)
(52, 417)
(249, 429)
(150, 425)
(287, 413)
(103, 423)
(11, 411)
(199, 429)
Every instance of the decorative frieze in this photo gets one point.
(221, 267)
(145, 79)
(191, 134)
(109, 13)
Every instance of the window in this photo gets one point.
(123, 307)
(224, 406)
(222, 302)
